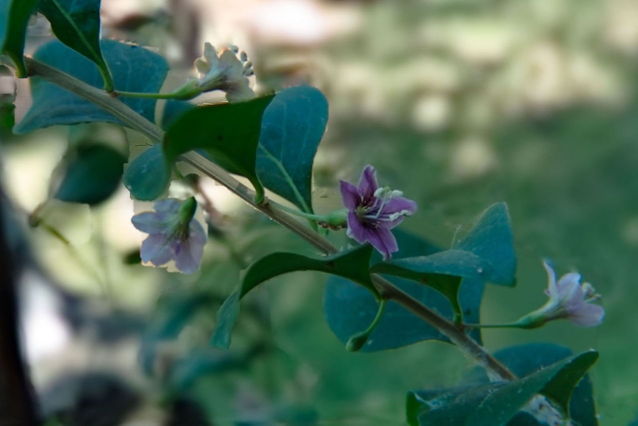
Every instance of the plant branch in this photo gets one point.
(385, 288)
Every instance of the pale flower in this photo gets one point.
(568, 298)
(174, 235)
(223, 70)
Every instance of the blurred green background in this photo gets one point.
(459, 104)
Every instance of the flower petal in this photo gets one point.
(587, 315)
(382, 239)
(197, 233)
(368, 183)
(349, 195)
(188, 256)
(239, 91)
(569, 288)
(399, 204)
(168, 206)
(210, 56)
(552, 289)
(150, 222)
(356, 229)
(233, 68)
(156, 249)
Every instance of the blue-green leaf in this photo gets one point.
(134, 69)
(92, 174)
(495, 403)
(491, 239)
(291, 129)
(227, 133)
(76, 23)
(398, 327)
(148, 175)
(352, 264)
(172, 110)
(574, 395)
(14, 18)
(442, 271)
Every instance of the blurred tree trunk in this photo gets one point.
(17, 401)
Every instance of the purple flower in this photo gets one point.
(374, 211)
(568, 298)
(174, 235)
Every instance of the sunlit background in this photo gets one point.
(458, 103)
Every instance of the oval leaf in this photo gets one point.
(92, 174)
(14, 18)
(442, 271)
(352, 264)
(148, 175)
(398, 326)
(491, 239)
(76, 23)
(228, 133)
(291, 129)
(135, 69)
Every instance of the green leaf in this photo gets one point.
(442, 271)
(398, 326)
(488, 404)
(227, 133)
(491, 239)
(135, 69)
(291, 129)
(148, 175)
(172, 110)
(464, 399)
(226, 318)
(525, 359)
(14, 18)
(76, 23)
(352, 264)
(91, 175)
(503, 404)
